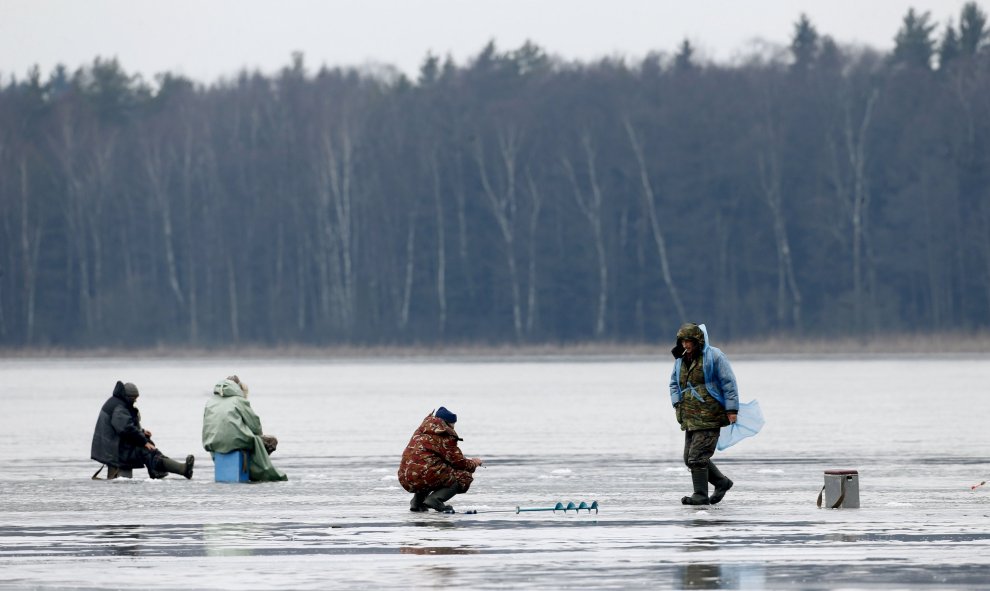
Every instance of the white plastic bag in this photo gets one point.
(749, 421)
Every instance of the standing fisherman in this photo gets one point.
(703, 392)
(433, 467)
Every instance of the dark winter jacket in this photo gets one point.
(118, 439)
(432, 459)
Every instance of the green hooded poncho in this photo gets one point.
(229, 424)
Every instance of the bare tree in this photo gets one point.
(74, 208)
(856, 149)
(768, 164)
(852, 191)
(188, 175)
(649, 201)
(158, 160)
(410, 270)
(30, 242)
(503, 203)
(532, 306)
(335, 202)
(441, 276)
(591, 207)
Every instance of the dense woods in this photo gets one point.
(817, 191)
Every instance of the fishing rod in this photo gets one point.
(558, 507)
(976, 486)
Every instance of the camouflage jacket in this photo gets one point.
(432, 460)
(697, 408)
(704, 391)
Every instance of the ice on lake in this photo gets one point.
(550, 430)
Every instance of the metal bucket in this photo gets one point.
(841, 489)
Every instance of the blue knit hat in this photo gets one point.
(445, 415)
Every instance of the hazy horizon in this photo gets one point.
(217, 40)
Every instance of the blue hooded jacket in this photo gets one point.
(720, 381)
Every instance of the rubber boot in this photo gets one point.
(700, 480)
(185, 469)
(437, 499)
(720, 481)
(416, 504)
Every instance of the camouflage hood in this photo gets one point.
(720, 381)
(690, 330)
(434, 426)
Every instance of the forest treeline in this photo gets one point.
(815, 191)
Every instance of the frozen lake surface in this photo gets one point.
(550, 430)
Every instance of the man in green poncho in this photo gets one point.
(230, 424)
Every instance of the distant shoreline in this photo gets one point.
(900, 345)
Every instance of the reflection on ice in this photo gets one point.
(122, 540)
(719, 576)
(433, 550)
(232, 539)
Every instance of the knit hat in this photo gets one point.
(130, 391)
(445, 415)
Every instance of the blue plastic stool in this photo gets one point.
(232, 466)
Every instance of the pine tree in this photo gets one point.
(684, 59)
(914, 44)
(949, 49)
(804, 44)
(972, 29)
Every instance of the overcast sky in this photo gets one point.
(209, 39)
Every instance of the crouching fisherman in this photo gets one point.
(230, 424)
(120, 443)
(703, 392)
(433, 467)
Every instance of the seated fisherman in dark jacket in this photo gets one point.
(121, 443)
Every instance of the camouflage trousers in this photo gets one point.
(699, 447)
(463, 479)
